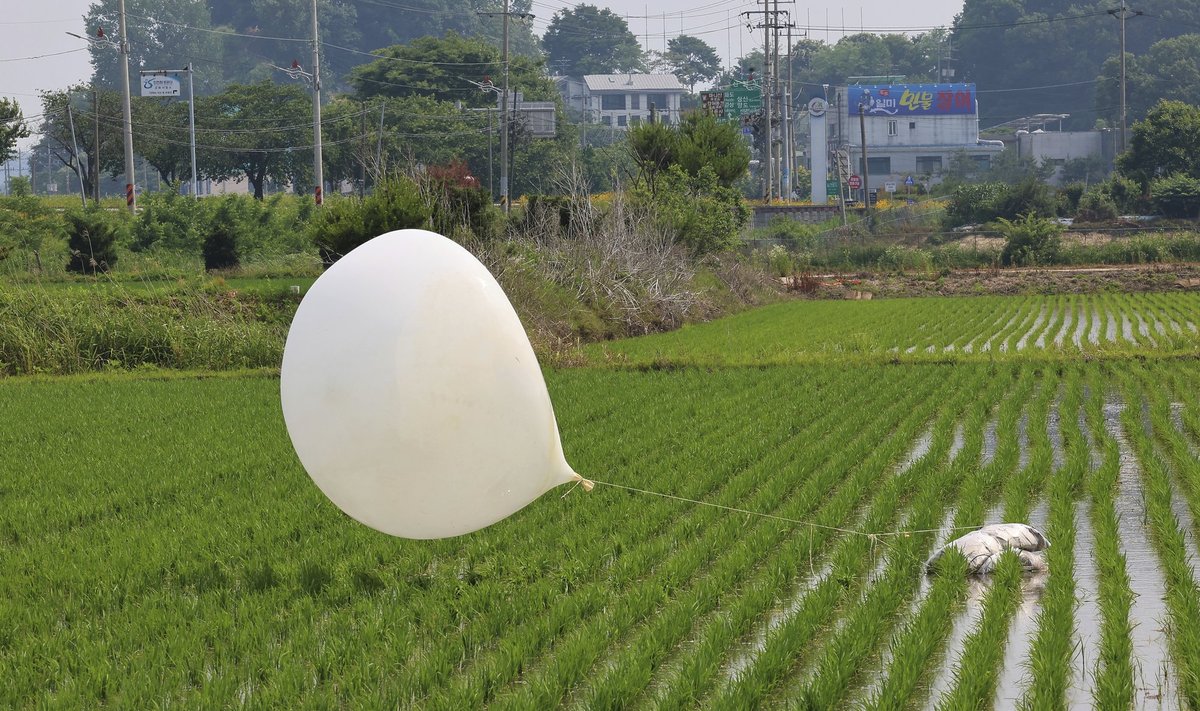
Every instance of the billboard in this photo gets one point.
(912, 99)
(713, 103)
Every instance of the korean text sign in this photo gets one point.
(912, 99)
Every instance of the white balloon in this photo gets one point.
(411, 392)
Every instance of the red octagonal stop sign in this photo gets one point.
(855, 182)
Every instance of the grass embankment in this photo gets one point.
(74, 325)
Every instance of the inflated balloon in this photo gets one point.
(412, 394)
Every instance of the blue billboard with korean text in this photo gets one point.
(912, 99)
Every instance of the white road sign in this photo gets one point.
(160, 84)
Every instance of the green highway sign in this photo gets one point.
(832, 188)
(742, 101)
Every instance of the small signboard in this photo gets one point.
(855, 182)
(713, 103)
(832, 188)
(873, 196)
(890, 186)
(908, 180)
(160, 84)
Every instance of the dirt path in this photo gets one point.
(979, 282)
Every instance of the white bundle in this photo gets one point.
(983, 548)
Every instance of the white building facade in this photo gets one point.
(912, 130)
(623, 100)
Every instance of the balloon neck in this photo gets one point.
(587, 484)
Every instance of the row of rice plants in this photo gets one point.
(787, 644)
(977, 666)
(867, 623)
(738, 551)
(1114, 684)
(1182, 594)
(1054, 645)
(915, 646)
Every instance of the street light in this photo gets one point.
(295, 71)
(122, 47)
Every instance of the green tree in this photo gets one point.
(1176, 195)
(1170, 69)
(654, 147)
(261, 131)
(692, 60)
(705, 142)
(587, 40)
(92, 159)
(1163, 144)
(696, 211)
(12, 127)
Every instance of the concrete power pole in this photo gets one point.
(1123, 13)
(130, 175)
(318, 168)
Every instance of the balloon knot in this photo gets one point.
(587, 484)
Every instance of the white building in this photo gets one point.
(911, 130)
(623, 100)
(1058, 147)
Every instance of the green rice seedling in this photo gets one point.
(1113, 675)
(978, 668)
(1050, 655)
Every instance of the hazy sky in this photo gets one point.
(37, 28)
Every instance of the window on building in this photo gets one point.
(659, 100)
(912, 125)
(877, 166)
(982, 162)
(635, 120)
(635, 101)
(929, 165)
(622, 120)
(606, 120)
(612, 102)
(892, 128)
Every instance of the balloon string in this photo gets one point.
(812, 524)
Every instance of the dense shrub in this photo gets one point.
(221, 242)
(973, 203)
(1030, 241)
(168, 220)
(1028, 197)
(696, 212)
(1096, 206)
(345, 223)
(1068, 198)
(92, 240)
(1125, 195)
(1176, 196)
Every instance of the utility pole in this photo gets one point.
(192, 130)
(75, 146)
(768, 143)
(504, 119)
(95, 161)
(1123, 13)
(318, 172)
(866, 186)
(770, 22)
(130, 176)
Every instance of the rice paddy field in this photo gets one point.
(161, 547)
